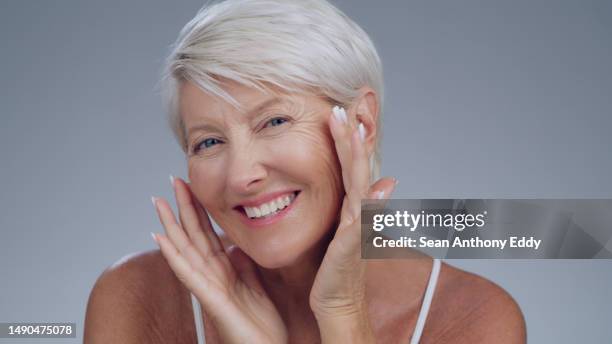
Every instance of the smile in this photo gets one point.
(270, 208)
(268, 211)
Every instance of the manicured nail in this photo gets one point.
(396, 182)
(362, 132)
(343, 114)
(153, 200)
(340, 114)
(337, 115)
(172, 180)
(380, 194)
(154, 236)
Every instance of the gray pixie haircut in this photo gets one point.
(302, 46)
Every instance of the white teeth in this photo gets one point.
(265, 209)
(270, 207)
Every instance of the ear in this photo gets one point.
(365, 107)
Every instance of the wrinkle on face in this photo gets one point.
(313, 130)
(300, 154)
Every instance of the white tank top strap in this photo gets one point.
(429, 293)
(199, 322)
(416, 335)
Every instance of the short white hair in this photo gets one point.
(306, 46)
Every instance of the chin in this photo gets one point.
(277, 258)
(280, 254)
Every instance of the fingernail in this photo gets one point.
(337, 115)
(396, 182)
(154, 236)
(362, 132)
(172, 180)
(340, 114)
(343, 114)
(380, 194)
(153, 200)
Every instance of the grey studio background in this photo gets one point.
(485, 99)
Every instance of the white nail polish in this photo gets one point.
(153, 236)
(337, 114)
(362, 132)
(172, 180)
(153, 200)
(343, 115)
(380, 194)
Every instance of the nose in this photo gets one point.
(246, 172)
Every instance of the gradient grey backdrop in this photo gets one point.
(485, 99)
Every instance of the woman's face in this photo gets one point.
(245, 164)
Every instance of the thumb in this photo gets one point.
(382, 188)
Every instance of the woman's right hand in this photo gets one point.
(225, 283)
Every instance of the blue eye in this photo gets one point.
(276, 121)
(206, 143)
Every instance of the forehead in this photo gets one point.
(196, 105)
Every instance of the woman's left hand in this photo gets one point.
(337, 297)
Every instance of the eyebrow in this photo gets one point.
(250, 113)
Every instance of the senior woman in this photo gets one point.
(277, 105)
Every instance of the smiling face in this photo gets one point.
(269, 176)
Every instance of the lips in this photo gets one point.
(267, 209)
(257, 201)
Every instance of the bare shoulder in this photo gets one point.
(138, 299)
(468, 308)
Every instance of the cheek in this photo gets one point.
(205, 182)
(310, 154)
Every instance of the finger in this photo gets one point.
(212, 264)
(381, 191)
(204, 218)
(177, 235)
(173, 229)
(349, 230)
(198, 228)
(341, 133)
(382, 188)
(360, 175)
(191, 278)
(217, 249)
